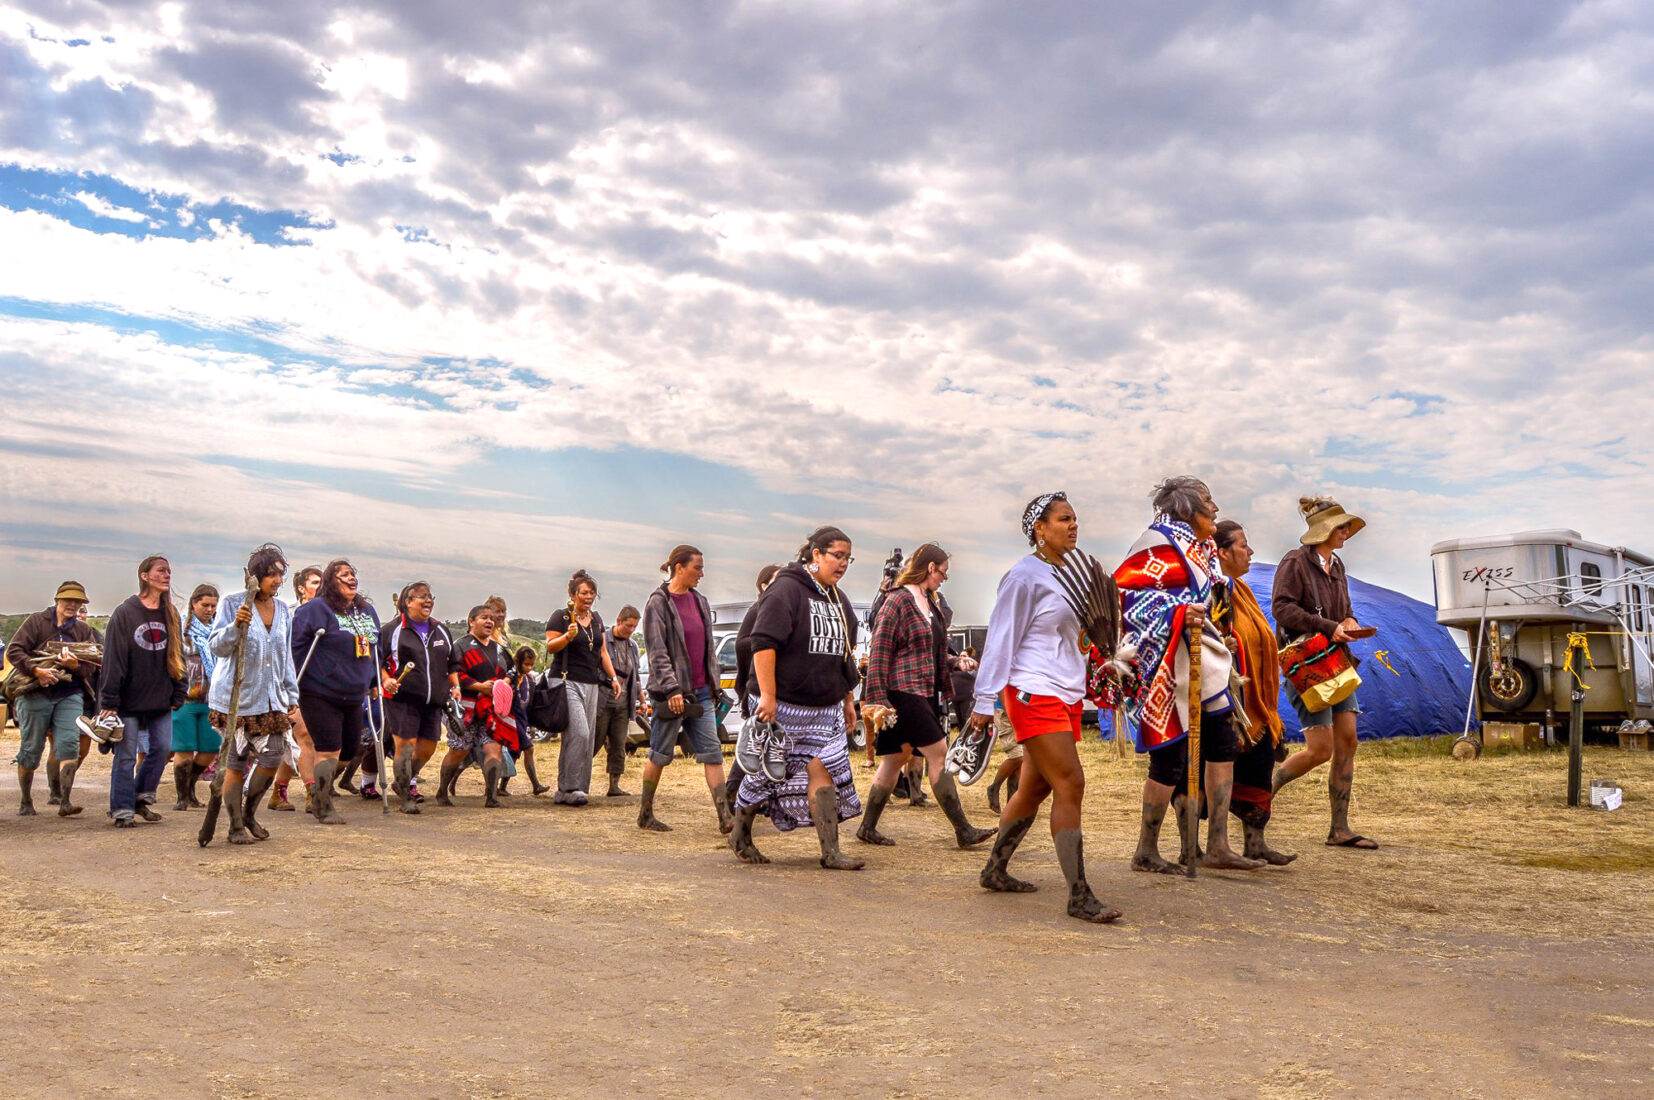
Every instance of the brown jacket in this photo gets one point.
(1307, 598)
(40, 628)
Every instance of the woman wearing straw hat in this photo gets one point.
(1312, 596)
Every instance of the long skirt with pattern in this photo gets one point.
(811, 732)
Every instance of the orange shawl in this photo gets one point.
(1259, 661)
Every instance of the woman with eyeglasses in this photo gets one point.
(802, 660)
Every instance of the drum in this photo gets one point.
(1321, 672)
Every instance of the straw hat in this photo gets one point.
(1325, 515)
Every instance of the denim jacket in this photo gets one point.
(269, 681)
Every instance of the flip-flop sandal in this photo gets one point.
(1360, 843)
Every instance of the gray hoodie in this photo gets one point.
(669, 668)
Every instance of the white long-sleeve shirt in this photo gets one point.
(1033, 642)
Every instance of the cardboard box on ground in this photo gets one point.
(1516, 735)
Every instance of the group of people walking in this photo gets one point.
(250, 691)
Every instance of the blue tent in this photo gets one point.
(1429, 690)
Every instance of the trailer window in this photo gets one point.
(1590, 576)
(1634, 612)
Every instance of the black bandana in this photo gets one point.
(1037, 509)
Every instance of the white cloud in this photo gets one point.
(921, 260)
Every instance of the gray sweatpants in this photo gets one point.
(574, 757)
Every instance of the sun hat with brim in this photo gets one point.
(71, 590)
(1324, 516)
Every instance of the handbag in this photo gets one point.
(1322, 673)
(548, 705)
(195, 675)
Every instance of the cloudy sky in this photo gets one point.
(483, 292)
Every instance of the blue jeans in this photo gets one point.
(126, 788)
(39, 716)
(703, 732)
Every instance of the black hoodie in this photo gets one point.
(135, 679)
(812, 635)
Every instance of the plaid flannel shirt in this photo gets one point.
(903, 656)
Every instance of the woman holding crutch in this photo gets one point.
(333, 691)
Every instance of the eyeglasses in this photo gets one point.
(840, 555)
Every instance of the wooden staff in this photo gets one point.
(1195, 711)
(215, 799)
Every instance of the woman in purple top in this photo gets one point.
(683, 683)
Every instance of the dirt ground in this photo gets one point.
(1499, 944)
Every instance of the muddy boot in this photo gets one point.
(916, 789)
(994, 875)
(993, 794)
(180, 780)
(66, 787)
(824, 809)
(25, 781)
(403, 786)
(343, 780)
(54, 781)
(877, 798)
(965, 834)
(501, 791)
(1188, 833)
(726, 816)
(740, 837)
(534, 783)
(234, 805)
(615, 790)
(321, 799)
(249, 804)
(445, 785)
(1082, 903)
(197, 770)
(646, 813)
(147, 812)
(1147, 857)
(491, 783)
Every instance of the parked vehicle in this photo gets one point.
(1519, 596)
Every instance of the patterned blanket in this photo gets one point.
(1167, 570)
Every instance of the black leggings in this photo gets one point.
(335, 725)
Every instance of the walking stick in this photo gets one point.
(215, 796)
(1192, 811)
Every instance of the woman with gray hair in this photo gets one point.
(1166, 587)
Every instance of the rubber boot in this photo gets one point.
(994, 875)
(824, 809)
(726, 816)
(146, 811)
(404, 780)
(491, 783)
(916, 788)
(234, 804)
(25, 781)
(505, 781)
(343, 780)
(445, 785)
(321, 799)
(740, 837)
(180, 780)
(877, 798)
(965, 834)
(54, 782)
(249, 803)
(66, 787)
(533, 775)
(646, 818)
(197, 770)
(1082, 903)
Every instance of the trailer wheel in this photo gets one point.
(1511, 689)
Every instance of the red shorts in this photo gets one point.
(1041, 714)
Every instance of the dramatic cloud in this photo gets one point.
(485, 292)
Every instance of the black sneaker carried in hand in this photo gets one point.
(968, 756)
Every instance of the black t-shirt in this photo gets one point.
(582, 659)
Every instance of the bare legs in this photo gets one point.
(1336, 743)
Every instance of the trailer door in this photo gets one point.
(1639, 618)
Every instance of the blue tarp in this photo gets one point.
(1428, 692)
